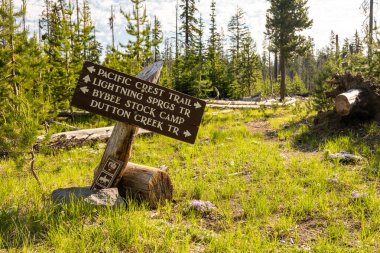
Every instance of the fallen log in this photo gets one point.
(144, 183)
(69, 114)
(356, 99)
(355, 96)
(248, 105)
(345, 102)
(81, 137)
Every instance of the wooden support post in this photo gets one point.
(119, 145)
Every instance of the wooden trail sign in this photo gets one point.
(138, 102)
(114, 162)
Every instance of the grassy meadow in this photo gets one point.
(266, 172)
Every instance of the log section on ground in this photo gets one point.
(120, 143)
(82, 137)
(145, 183)
(344, 102)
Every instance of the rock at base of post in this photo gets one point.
(104, 197)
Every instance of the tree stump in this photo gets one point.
(145, 183)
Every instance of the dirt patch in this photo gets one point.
(259, 126)
(310, 229)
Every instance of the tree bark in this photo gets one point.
(282, 70)
(145, 183)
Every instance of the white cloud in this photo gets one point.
(342, 16)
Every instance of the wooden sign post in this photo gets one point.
(134, 101)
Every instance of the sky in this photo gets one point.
(344, 17)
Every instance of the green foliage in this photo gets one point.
(139, 29)
(285, 20)
(22, 91)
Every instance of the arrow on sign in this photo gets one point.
(197, 105)
(84, 89)
(87, 79)
(187, 133)
(91, 69)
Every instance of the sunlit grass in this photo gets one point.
(273, 193)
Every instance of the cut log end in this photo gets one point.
(342, 105)
(344, 102)
(145, 183)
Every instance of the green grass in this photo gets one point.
(274, 192)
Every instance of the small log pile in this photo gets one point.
(355, 99)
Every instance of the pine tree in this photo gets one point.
(156, 39)
(238, 31)
(23, 109)
(285, 19)
(138, 28)
(249, 67)
(212, 45)
(189, 25)
(358, 43)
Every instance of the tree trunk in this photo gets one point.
(282, 68)
(120, 143)
(275, 67)
(145, 183)
(346, 101)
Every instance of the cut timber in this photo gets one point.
(145, 183)
(120, 143)
(346, 101)
(248, 105)
(81, 137)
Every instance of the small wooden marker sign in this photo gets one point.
(134, 102)
(108, 173)
(129, 99)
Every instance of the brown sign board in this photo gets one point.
(128, 99)
(107, 174)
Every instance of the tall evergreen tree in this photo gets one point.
(156, 38)
(138, 28)
(22, 107)
(189, 25)
(285, 20)
(238, 31)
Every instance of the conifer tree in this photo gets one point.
(217, 65)
(22, 107)
(156, 39)
(238, 31)
(189, 25)
(285, 20)
(138, 28)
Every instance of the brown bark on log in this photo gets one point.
(145, 183)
